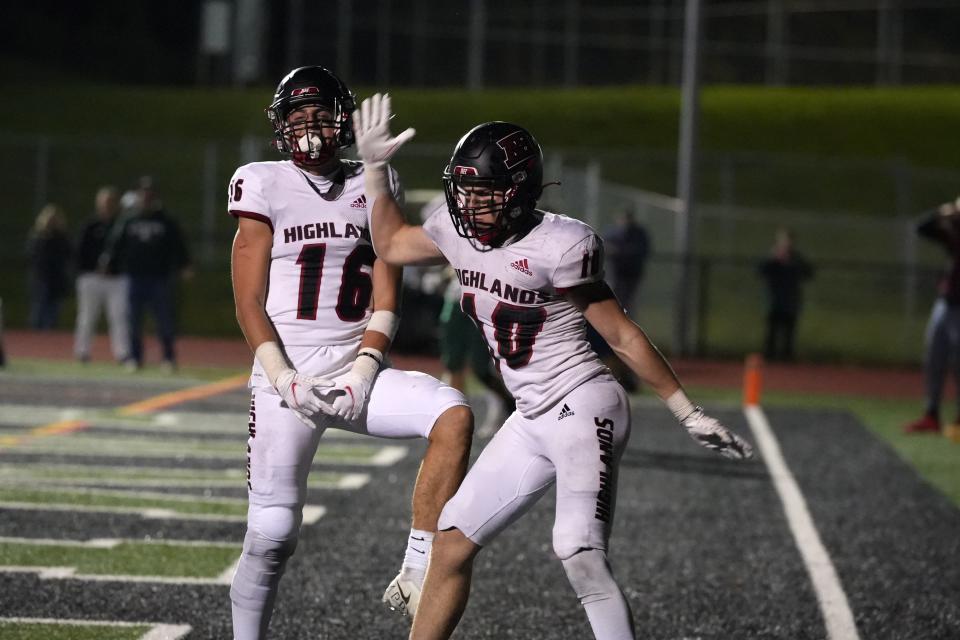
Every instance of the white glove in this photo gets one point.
(299, 392)
(371, 128)
(351, 390)
(709, 433)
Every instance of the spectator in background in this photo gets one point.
(98, 283)
(150, 250)
(48, 251)
(784, 272)
(943, 328)
(628, 246)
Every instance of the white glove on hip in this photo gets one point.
(351, 390)
(299, 392)
(371, 128)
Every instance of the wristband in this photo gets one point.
(367, 363)
(680, 405)
(375, 180)
(385, 322)
(271, 358)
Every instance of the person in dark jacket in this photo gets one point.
(149, 249)
(628, 246)
(943, 329)
(99, 285)
(784, 271)
(48, 251)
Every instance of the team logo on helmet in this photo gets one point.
(517, 148)
(492, 183)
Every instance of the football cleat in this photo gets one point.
(926, 424)
(402, 595)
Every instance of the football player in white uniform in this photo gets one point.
(320, 311)
(530, 279)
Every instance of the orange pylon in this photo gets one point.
(752, 379)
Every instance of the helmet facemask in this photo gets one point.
(312, 138)
(315, 141)
(485, 211)
(492, 184)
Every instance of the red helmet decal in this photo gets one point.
(517, 147)
(304, 91)
(460, 170)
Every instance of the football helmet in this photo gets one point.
(305, 142)
(493, 182)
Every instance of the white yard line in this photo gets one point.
(186, 422)
(167, 632)
(834, 606)
(70, 573)
(388, 456)
(353, 480)
(157, 631)
(61, 475)
(147, 512)
(110, 543)
(148, 495)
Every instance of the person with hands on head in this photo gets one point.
(531, 279)
(319, 311)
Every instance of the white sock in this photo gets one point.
(417, 555)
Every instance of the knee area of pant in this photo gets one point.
(274, 528)
(589, 574)
(455, 425)
(452, 548)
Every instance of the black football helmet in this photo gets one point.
(312, 86)
(503, 161)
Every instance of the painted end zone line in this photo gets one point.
(830, 595)
(149, 405)
(157, 631)
(165, 400)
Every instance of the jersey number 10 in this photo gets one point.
(515, 329)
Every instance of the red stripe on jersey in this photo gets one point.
(237, 213)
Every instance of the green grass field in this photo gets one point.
(126, 558)
(56, 631)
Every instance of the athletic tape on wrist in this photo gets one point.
(680, 405)
(385, 322)
(272, 360)
(368, 362)
(375, 181)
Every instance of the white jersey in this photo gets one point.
(321, 282)
(515, 295)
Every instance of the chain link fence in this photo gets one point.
(853, 219)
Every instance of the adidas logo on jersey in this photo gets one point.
(360, 203)
(522, 266)
(566, 412)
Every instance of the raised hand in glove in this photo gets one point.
(709, 433)
(371, 128)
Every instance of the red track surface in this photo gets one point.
(215, 352)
